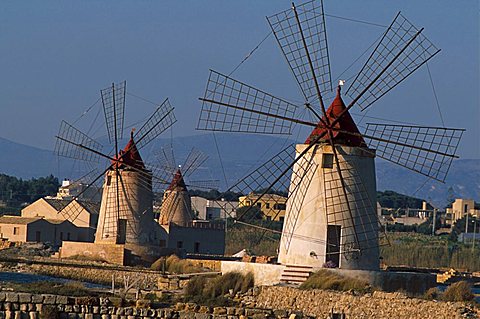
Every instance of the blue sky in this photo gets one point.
(56, 56)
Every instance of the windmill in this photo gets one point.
(126, 210)
(176, 204)
(331, 214)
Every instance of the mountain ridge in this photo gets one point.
(240, 154)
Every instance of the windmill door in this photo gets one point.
(122, 231)
(333, 244)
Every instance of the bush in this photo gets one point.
(432, 294)
(212, 291)
(459, 291)
(325, 279)
(175, 265)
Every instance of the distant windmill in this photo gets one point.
(176, 204)
(331, 207)
(126, 211)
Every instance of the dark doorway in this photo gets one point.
(37, 236)
(333, 244)
(122, 231)
(196, 247)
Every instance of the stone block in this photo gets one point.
(106, 316)
(33, 315)
(239, 311)
(37, 298)
(49, 299)
(203, 316)
(89, 316)
(72, 315)
(219, 311)
(61, 300)
(24, 297)
(23, 307)
(96, 310)
(31, 307)
(68, 308)
(9, 314)
(2, 296)
(18, 315)
(11, 297)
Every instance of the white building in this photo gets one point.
(211, 209)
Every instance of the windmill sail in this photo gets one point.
(302, 42)
(113, 100)
(157, 123)
(400, 52)
(73, 143)
(232, 106)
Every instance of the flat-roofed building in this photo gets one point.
(273, 206)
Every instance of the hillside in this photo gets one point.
(241, 153)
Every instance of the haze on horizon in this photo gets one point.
(56, 56)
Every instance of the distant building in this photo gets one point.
(69, 190)
(211, 209)
(82, 214)
(37, 229)
(273, 206)
(460, 208)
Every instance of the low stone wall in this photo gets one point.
(34, 306)
(111, 253)
(379, 305)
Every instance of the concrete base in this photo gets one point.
(127, 254)
(390, 281)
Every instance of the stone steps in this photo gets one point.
(295, 274)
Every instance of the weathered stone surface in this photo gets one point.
(49, 299)
(11, 297)
(219, 311)
(62, 300)
(2, 297)
(202, 315)
(24, 297)
(37, 298)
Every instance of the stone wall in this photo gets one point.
(35, 306)
(111, 253)
(379, 305)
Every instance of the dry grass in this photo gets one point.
(325, 279)
(175, 265)
(459, 291)
(212, 291)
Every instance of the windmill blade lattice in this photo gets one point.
(194, 160)
(113, 100)
(400, 52)
(162, 119)
(73, 143)
(291, 35)
(426, 150)
(232, 106)
(357, 232)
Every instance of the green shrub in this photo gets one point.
(459, 291)
(326, 279)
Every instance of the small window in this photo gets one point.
(465, 209)
(259, 205)
(282, 219)
(267, 205)
(16, 230)
(109, 180)
(179, 244)
(196, 247)
(248, 203)
(327, 161)
(280, 206)
(163, 243)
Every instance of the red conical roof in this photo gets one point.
(345, 123)
(177, 183)
(129, 156)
